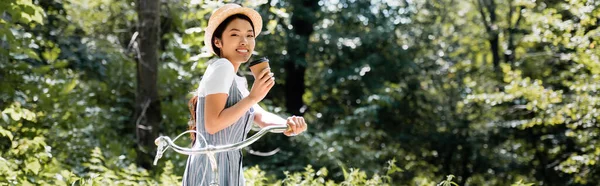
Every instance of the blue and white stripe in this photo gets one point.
(198, 171)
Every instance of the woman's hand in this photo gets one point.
(262, 85)
(296, 125)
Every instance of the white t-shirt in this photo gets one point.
(219, 77)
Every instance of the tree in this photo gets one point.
(148, 113)
(302, 20)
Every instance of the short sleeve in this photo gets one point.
(242, 85)
(219, 77)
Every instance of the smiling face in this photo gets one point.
(237, 42)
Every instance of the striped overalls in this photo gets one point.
(197, 170)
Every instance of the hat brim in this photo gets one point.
(223, 13)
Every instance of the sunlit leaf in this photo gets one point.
(33, 165)
(60, 64)
(51, 55)
(31, 54)
(6, 133)
(42, 69)
(69, 86)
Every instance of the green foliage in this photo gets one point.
(16, 16)
(412, 86)
(102, 172)
(255, 176)
(549, 90)
(520, 183)
(448, 181)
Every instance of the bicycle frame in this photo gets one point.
(164, 142)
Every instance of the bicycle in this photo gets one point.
(164, 142)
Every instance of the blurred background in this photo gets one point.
(395, 92)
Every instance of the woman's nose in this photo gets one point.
(244, 41)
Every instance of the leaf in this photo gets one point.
(343, 170)
(38, 16)
(33, 166)
(28, 115)
(31, 54)
(51, 55)
(28, 9)
(69, 87)
(4, 117)
(25, 18)
(61, 64)
(392, 168)
(520, 183)
(42, 69)
(180, 54)
(4, 132)
(13, 114)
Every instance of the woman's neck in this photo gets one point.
(236, 65)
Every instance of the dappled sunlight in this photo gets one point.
(482, 92)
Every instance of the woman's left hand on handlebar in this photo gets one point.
(296, 125)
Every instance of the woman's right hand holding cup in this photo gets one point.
(262, 85)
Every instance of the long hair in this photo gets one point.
(192, 123)
(218, 34)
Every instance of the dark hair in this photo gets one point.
(218, 34)
(221, 28)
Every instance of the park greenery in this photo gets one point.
(395, 92)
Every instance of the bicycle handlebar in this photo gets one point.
(164, 142)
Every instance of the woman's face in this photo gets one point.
(237, 42)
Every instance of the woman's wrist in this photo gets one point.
(252, 99)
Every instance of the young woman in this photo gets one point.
(224, 109)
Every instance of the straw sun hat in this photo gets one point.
(223, 13)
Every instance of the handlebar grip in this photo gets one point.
(160, 149)
(158, 156)
(289, 130)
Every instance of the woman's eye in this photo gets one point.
(250, 35)
(233, 34)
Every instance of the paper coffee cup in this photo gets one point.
(258, 65)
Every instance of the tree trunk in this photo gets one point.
(147, 106)
(492, 28)
(303, 17)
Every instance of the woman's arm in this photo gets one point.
(265, 118)
(217, 117)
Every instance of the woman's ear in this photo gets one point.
(218, 43)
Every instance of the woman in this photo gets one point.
(224, 107)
